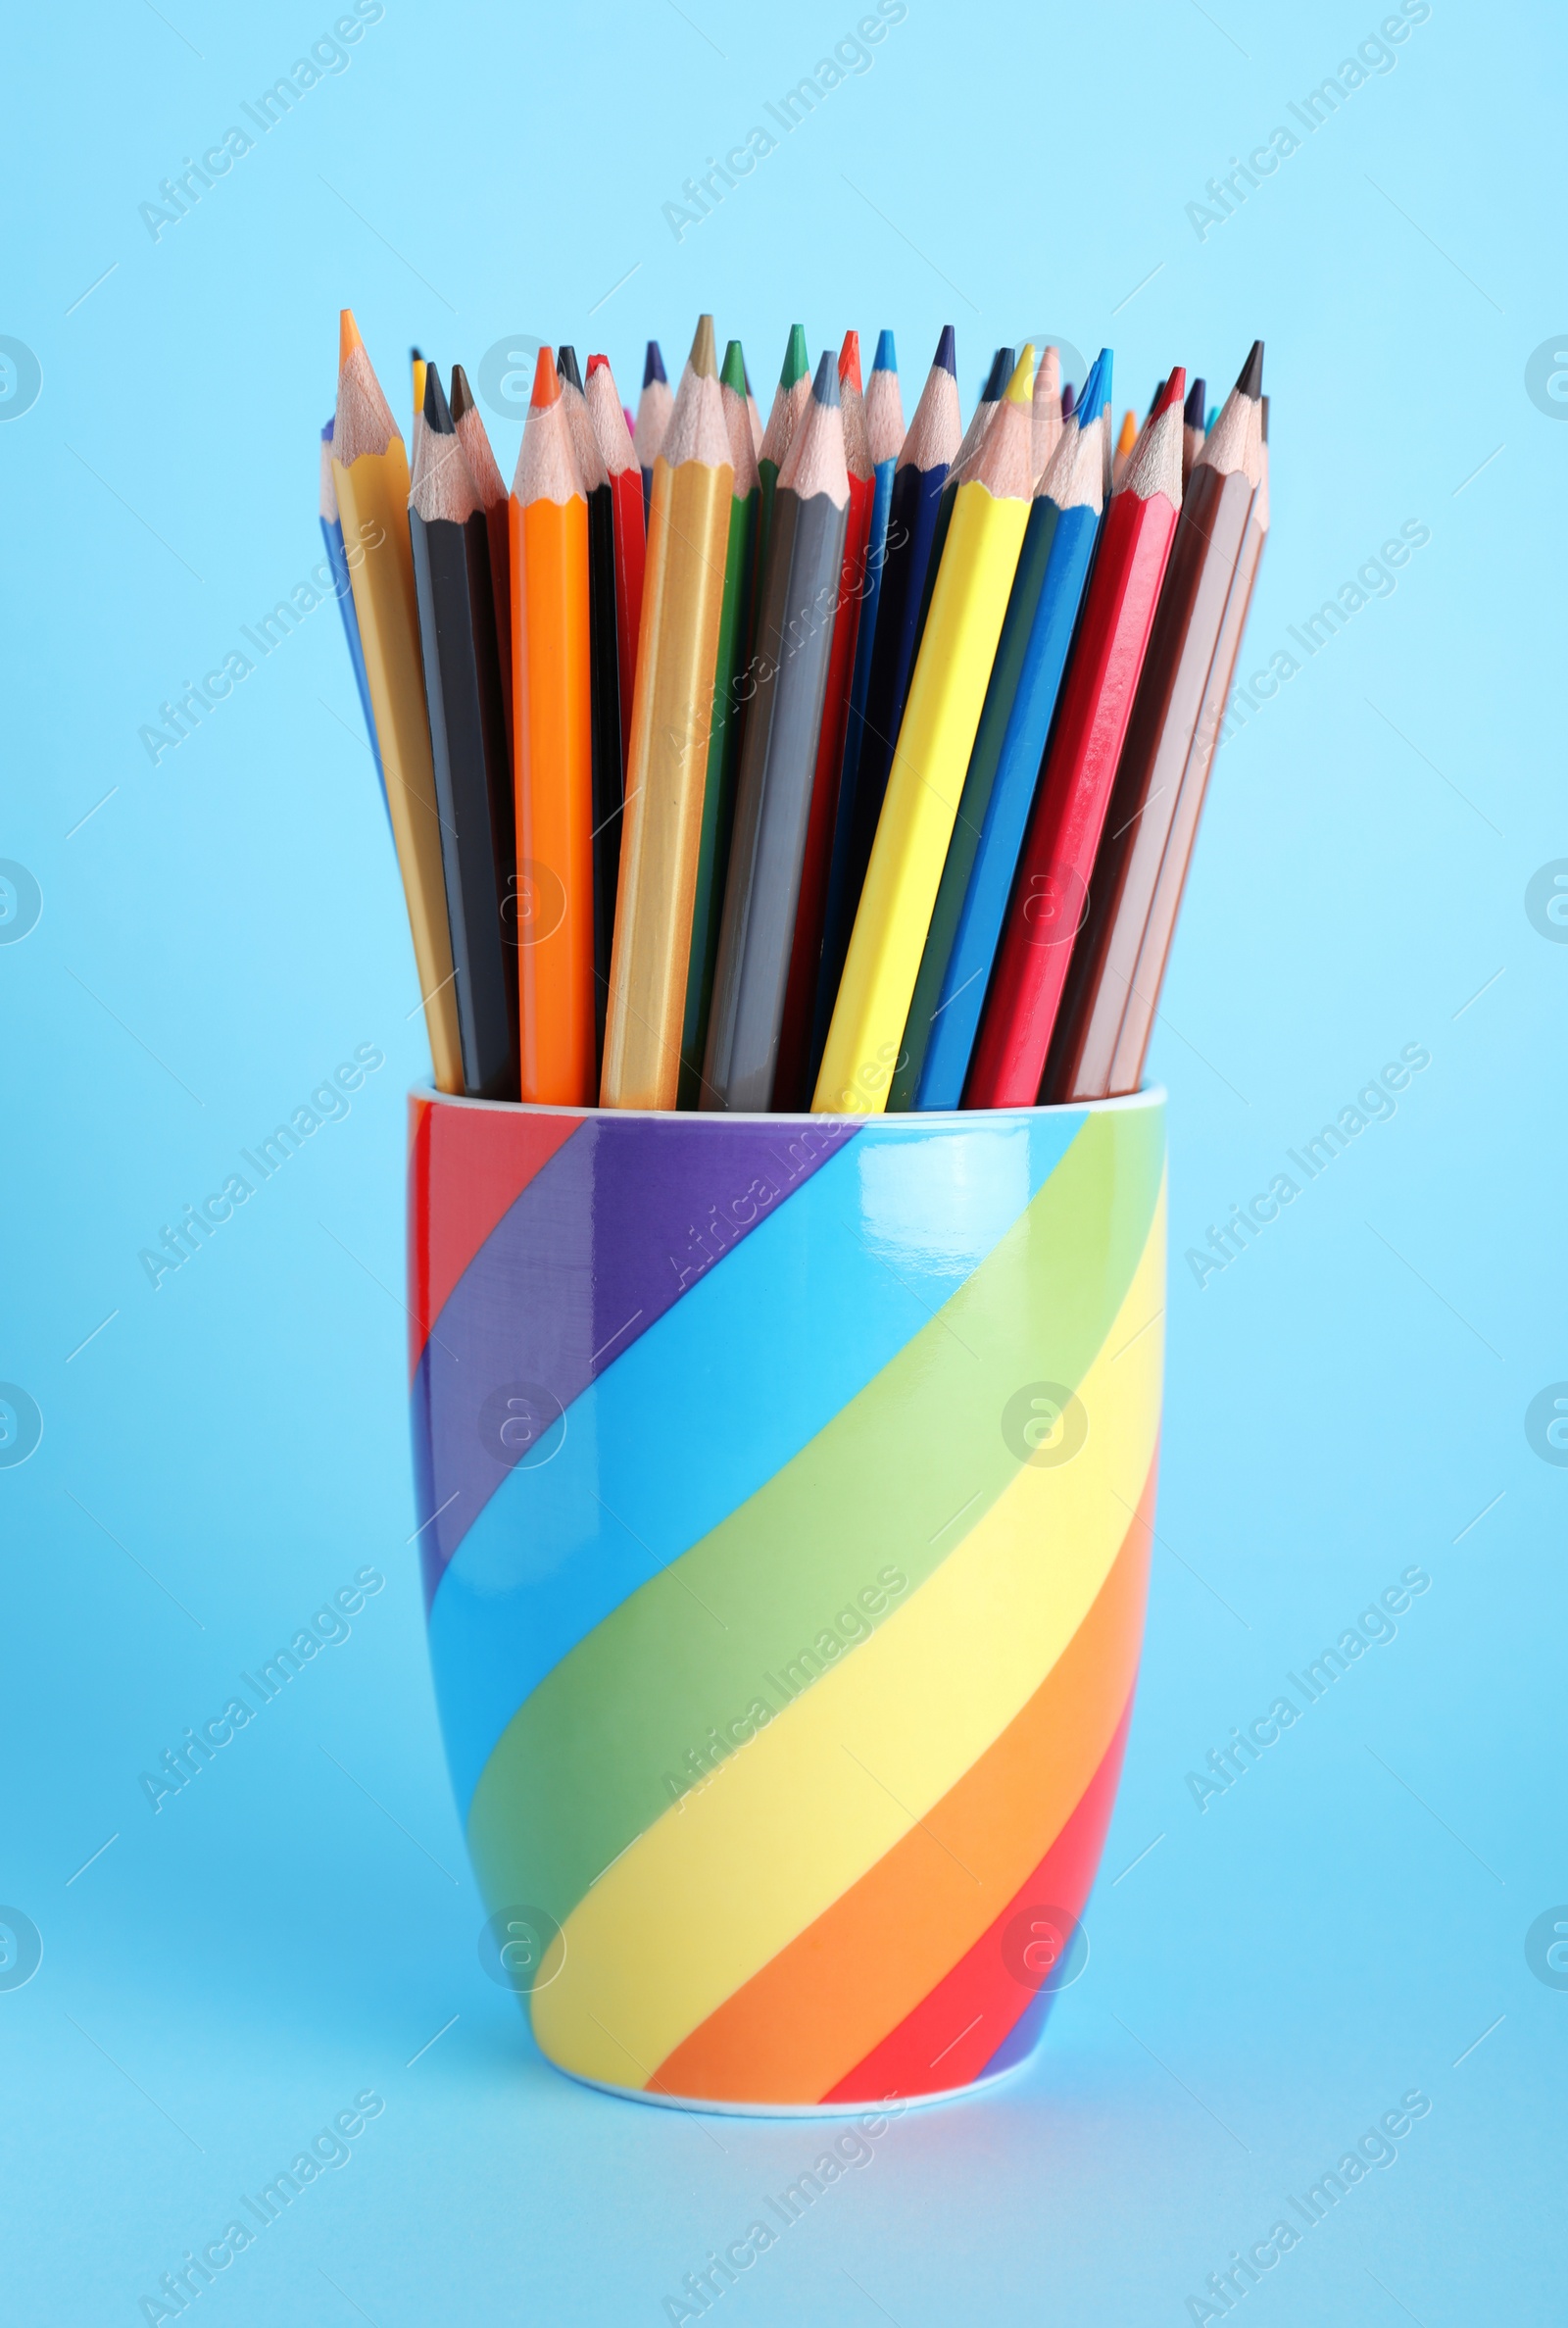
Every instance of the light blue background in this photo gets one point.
(1343, 1400)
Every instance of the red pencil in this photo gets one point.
(619, 457)
(790, 1080)
(1050, 895)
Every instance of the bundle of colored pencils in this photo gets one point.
(831, 766)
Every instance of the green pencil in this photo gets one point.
(789, 401)
(723, 750)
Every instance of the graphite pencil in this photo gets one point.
(604, 666)
(654, 408)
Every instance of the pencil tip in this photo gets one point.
(567, 365)
(1129, 431)
(797, 358)
(1197, 399)
(1250, 381)
(850, 360)
(1021, 386)
(733, 376)
(546, 386)
(437, 412)
(652, 364)
(946, 354)
(704, 358)
(596, 363)
(1068, 403)
(415, 355)
(887, 355)
(1173, 391)
(825, 386)
(1104, 369)
(996, 378)
(462, 393)
(348, 336)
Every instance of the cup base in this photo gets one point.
(864, 2107)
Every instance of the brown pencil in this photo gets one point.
(1113, 979)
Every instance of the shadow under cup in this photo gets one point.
(785, 1486)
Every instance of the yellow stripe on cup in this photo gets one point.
(710, 1894)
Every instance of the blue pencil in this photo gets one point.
(342, 584)
(918, 478)
(1010, 746)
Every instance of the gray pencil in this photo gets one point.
(778, 755)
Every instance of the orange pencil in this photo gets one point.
(553, 756)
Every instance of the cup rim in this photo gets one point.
(1153, 1095)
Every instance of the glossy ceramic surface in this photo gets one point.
(786, 1487)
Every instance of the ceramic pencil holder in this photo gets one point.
(786, 1486)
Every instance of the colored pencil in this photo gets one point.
(370, 473)
(795, 631)
(1144, 986)
(967, 924)
(469, 745)
(946, 695)
(1169, 744)
(789, 401)
(552, 756)
(974, 436)
(1047, 432)
(678, 653)
(654, 408)
(918, 478)
(1069, 404)
(1192, 430)
(733, 684)
(619, 457)
(494, 500)
(791, 1081)
(343, 591)
(1124, 445)
(1051, 890)
(604, 663)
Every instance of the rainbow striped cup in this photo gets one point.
(785, 1487)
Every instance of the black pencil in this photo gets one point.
(603, 664)
(468, 744)
(495, 501)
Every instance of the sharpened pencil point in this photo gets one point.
(996, 378)
(546, 386)
(1197, 399)
(946, 354)
(1173, 391)
(567, 365)
(1021, 385)
(704, 358)
(1105, 367)
(733, 376)
(797, 358)
(850, 360)
(596, 363)
(1068, 403)
(348, 336)
(1251, 380)
(653, 364)
(1129, 429)
(887, 355)
(825, 386)
(462, 393)
(437, 412)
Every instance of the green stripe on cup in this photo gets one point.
(600, 1750)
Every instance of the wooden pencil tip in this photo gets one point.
(1250, 381)
(704, 358)
(1174, 390)
(946, 354)
(996, 378)
(567, 365)
(415, 355)
(1068, 405)
(797, 358)
(546, 386)
(1129, 431)
(437, 412)
(733, 376)
(850, 360)
(825, 386)
(1021, 385)
(887, 355)
(348, 336)
(652, 364)
(462, 393)
(597, 363)
(1197, 399)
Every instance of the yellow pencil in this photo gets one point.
(667, 761)
(371, 470)
(931, 761)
